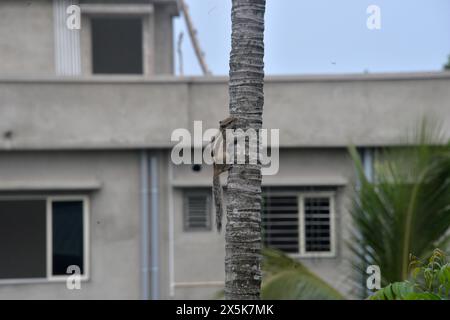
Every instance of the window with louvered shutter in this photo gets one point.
(197, 210)
(299, 222)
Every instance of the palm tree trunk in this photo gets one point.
(243, 230)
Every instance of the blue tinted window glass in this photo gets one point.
(67, 224)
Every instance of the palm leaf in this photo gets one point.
(286, 278)
(394, 291)
(407, 209)
(430, 281)
(402, 291)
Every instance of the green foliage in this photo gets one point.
(429, 281)
(406, 209)
(286, 278)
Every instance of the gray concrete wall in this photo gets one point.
(26, 38)
(131, 112)
(114, 216)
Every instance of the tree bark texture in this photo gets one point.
(243, 229)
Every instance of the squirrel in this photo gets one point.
(220, 166)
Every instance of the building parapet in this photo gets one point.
(128, 112)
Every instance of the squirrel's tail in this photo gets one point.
(218, 201)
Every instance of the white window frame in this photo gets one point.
(302, 235)
(49, 237)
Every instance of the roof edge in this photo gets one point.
(224, 79)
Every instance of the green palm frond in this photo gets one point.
(407, 208)
(286, 278)
(402, 291)
(430, 281)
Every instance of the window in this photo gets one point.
(117, 46)
(300, 223)
(41, 237)
(197, 210)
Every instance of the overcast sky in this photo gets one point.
(328, 36)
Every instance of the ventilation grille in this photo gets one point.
(197, 213)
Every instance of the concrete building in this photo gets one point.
(86, 177)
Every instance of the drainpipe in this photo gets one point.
(368, 163)
(171, 231)
(149, 171)
(154, 224)
(144, 227)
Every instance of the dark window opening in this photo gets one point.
(115, 1)
(23, 243)
(280, 222)
(117, 46)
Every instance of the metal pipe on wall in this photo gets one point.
(154, 226)
(144, 226)
(149, 227)
(368, 163)
(171, 230)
